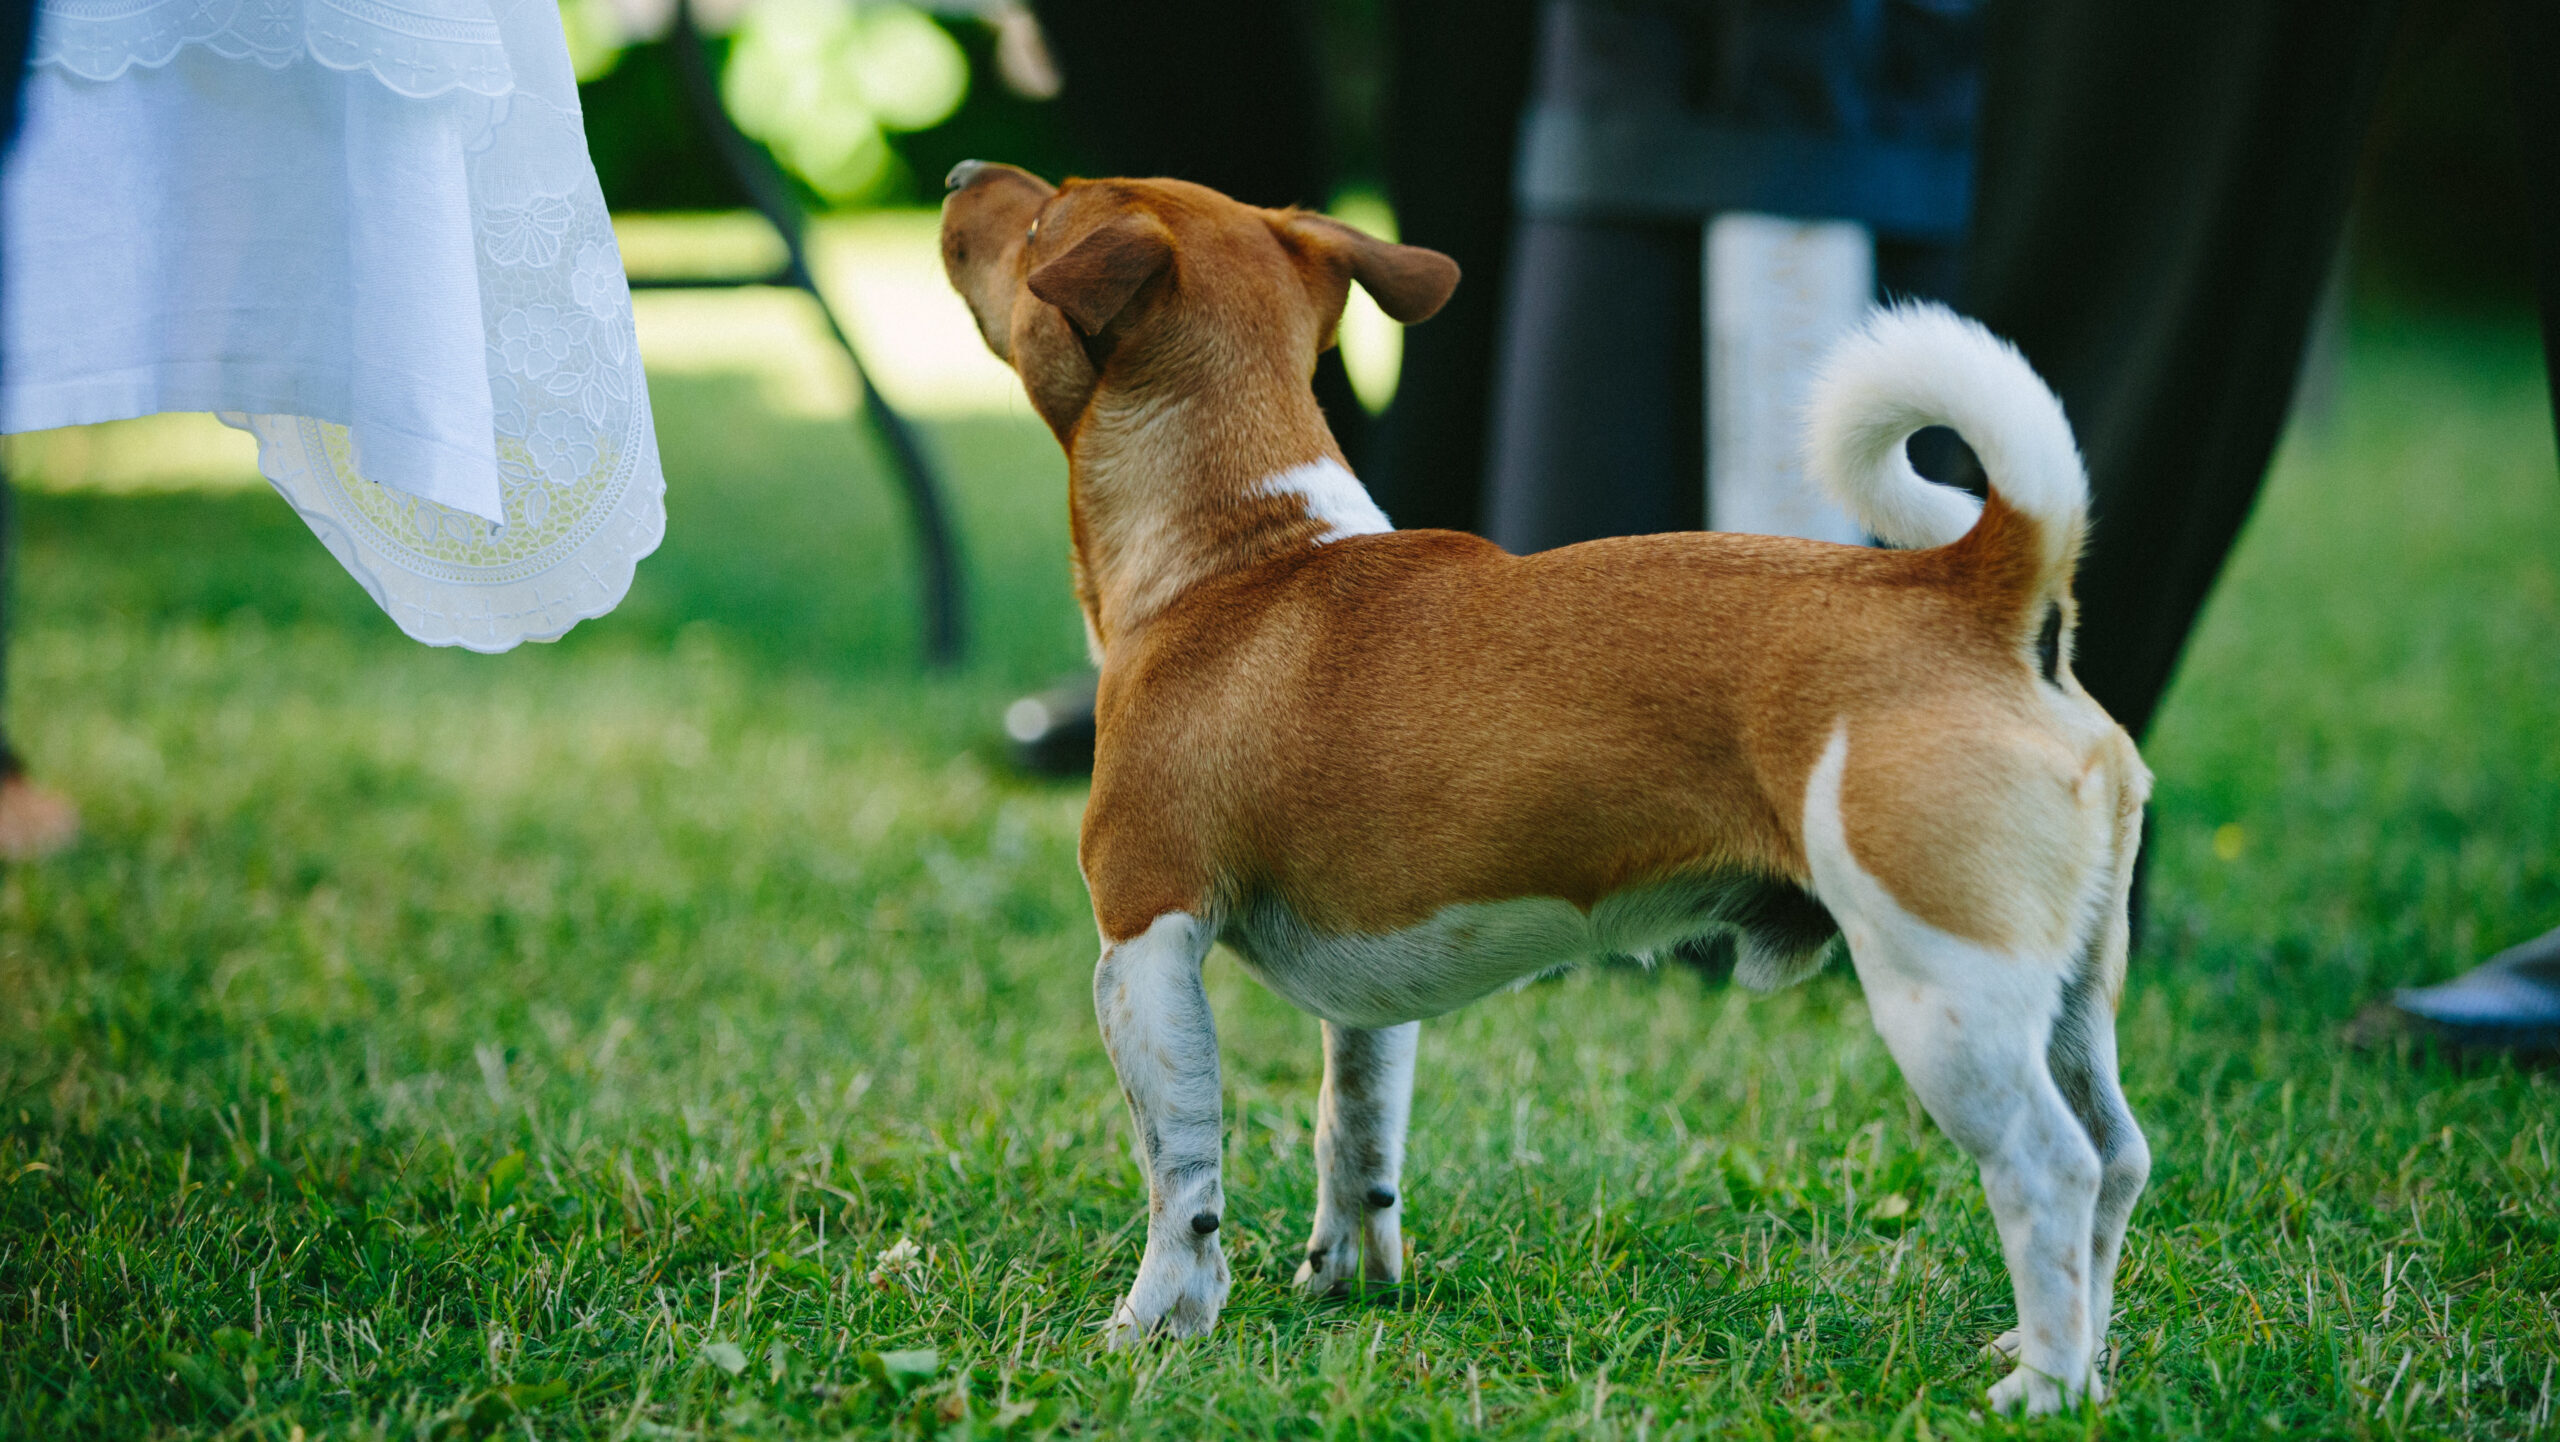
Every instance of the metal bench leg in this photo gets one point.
(938, 555)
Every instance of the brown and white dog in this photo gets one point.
(1398, 770)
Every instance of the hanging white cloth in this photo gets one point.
(369, 233)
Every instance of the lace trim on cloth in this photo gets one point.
(418, 48)
(449, 578)
(580, 492)
(577, 452)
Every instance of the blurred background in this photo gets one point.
(648, 966)
(788, 547)
(862, 107)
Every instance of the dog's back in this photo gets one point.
(1363, 734)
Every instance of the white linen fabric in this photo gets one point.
(369, 234)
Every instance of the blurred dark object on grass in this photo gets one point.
(1051, 733)
(2509, 1003)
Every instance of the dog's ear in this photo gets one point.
(1407, 281)
(1096, 277)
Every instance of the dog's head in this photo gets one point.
(1098, 285)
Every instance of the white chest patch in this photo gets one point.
(1460, 952)
(1333, 496)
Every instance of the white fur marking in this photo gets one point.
(1361, 1114)
(1970, 1027)
(1460, 952)
(1914, 366)
(1156, 1024)
(1332, 495)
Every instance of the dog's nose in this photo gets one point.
(964, 175)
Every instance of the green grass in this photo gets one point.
(413, 1026)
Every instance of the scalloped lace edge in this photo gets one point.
(643, 506)
(272, 60)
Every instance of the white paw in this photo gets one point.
(2008, 1343)
(1179, 1290)
(1330, 1265)
(2037, 1393)
(1339, 1254)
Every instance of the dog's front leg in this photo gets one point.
(1156, 1024)
(1360, 1124)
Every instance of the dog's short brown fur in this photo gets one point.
(1361, 733)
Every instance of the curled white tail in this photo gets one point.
(1916, 365)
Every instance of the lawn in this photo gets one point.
(686, 1029)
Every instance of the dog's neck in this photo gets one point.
(1166, 491)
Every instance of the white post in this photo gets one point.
(1778, 292)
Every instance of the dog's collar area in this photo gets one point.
(1333, 497)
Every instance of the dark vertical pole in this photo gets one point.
(1458, 76)
(937, 552)
(1598, 401)
(10, 763)
(2533, 46)
(17, 32)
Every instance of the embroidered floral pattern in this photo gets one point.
(538, 340)
(528, 234)
(576, 456)
(597, 281)
(563, 446)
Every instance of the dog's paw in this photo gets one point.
(1329, 1266)
(1340, 1255)
(2035, 1393)
(1179, 1292)
(2008, 1343)
(1129, 1329)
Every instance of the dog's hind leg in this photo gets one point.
(2084, 1066)
(2083, 1058)
(1164, 1044)
(1360, 1124)
(1975, 1055)
(1970, 1027)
